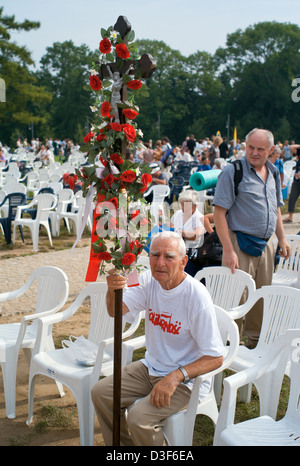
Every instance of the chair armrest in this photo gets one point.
(9, 295)
(45, 323)
(129, 346)
(241, 310)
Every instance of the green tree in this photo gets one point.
(65, 73)
(169, 109)
(23, 95)
(257, 68)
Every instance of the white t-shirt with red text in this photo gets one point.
(180, 324)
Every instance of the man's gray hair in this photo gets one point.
(268, 133)
(171, 234)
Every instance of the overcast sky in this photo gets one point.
(184, 25)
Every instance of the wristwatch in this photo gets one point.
(185, 374)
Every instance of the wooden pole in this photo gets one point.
(117, 366)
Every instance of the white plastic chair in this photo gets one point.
(179, 427)
(11, 187)
(281, 312)
(264, 430)
(45, 202)
(160, 192)
(59, 365)
(288, 271)
(50, 296)
(65, 198)
(226, 288)
(76, 215)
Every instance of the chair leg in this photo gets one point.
(245, 393)
(31, 387)
(9, 371)
(21, 232)
(86, 416)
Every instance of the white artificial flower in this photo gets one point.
(93, 108)
(93, 72)
(113, 34)
(140, 133)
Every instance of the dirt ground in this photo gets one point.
(55, 421)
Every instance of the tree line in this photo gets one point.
(246, 84)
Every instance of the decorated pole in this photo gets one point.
(114, 183)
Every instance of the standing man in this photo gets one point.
(182, 342)
(247, 219)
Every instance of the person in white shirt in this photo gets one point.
(182, 342)
(189, 223)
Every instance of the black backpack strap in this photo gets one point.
(238, 174)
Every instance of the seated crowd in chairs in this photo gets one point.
(275, 358)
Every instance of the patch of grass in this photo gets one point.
(54, 417)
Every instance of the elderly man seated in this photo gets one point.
(182, 342)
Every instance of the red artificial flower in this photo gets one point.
(65, 177)
(116, 158)
(105, 109)
(129, 113)
(130, 132)
(116, 126)
(100, 137)
(105, 46)
(100, 198)
(109, 179)
(88, 137)
(122, 51)
(95, 83)
(146, 179)
(128, 176)
(128, 258)
(71, 182)
(105, 256)
(134, 243)
(134, 84)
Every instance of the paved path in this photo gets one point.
(15, 271)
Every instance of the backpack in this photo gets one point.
(210, 253)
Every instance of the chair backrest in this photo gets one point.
(47, 189)
(52, 287)
(291, 266)
(14, 187)
(45, 202)
(79, 203)
(281, 312)
(226, 288)
(160, 192)
(102, 325)
(56, 186)
(14, 200)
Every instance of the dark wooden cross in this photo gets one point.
(146, 67)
